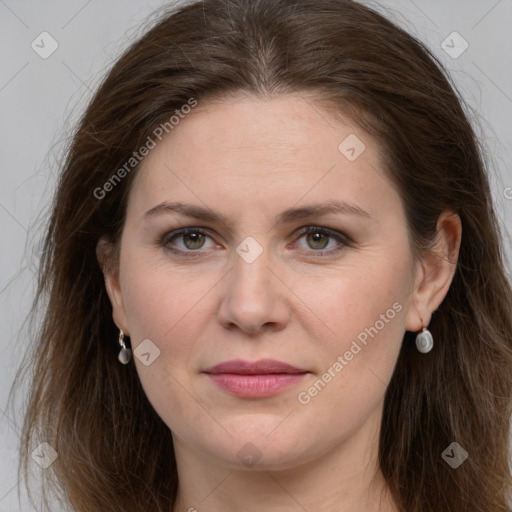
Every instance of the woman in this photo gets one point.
(200, 351)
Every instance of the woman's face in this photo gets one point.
(254, 285)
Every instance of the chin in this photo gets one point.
(261, 447)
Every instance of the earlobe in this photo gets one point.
(436, 271)
(110, 269)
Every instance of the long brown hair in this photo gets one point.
(114, 452)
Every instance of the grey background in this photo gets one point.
(40, 99)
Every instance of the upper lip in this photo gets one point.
(262, 366)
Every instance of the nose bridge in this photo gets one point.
(251, 276)
(251, 297)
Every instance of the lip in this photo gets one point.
(260, 367)
(258, 379)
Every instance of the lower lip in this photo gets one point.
(255, 386)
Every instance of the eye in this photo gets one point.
(317, 238)
(193, 239)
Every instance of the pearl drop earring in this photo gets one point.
(125, 354)
(424, 340)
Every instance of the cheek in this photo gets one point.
(364, 309)
(169, 311)
(367, 319)
(161, 305)
(171, 307)
(356, 297)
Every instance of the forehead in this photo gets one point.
(247, 150)
(245, 123)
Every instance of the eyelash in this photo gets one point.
(343, 239)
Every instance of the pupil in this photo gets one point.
(195, 237)
(317, 237)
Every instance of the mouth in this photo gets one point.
(260, 367)
(258, 379)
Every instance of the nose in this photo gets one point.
(255, 297)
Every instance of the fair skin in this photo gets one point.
(249, 159)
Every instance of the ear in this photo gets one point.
(435, 271)
(110, 269)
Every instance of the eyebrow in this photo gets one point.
(287, 216)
